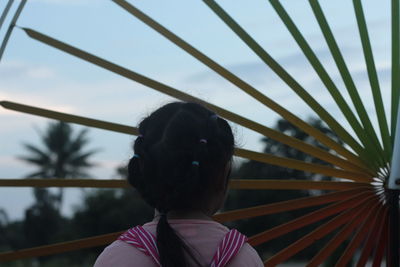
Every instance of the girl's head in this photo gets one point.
(182, 162)
(182, 158)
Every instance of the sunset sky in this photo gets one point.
(34, 74)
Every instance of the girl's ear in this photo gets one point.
(223, 179)
(228, 174)
(218, 192)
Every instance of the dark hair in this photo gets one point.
(181, 151)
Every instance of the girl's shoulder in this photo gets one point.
(202, 235)
(247, 256)
(206, 236)
(122, 254)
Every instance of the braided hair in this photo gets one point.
(181, 152)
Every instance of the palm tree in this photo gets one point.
(63, 154)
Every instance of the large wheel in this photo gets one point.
(361, 208)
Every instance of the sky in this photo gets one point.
(34, 74)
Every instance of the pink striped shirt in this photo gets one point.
(210, 242)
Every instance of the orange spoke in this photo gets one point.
(58, 182)
(361, 215)
(57, 248)
(233, 184)
(319, 233)
(105, 125)
(381, 246)
(303, 166)
(348, 172)
(293, 184)
(310, 218)
(373, 236)
(285, 206)
(360, 236)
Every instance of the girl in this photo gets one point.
(181, 167)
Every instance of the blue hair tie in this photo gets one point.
(195, 163)
(136, 156)
(203, 141)
(214, 116)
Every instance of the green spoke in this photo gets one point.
(5, 12)
(288, 79)
(11, 27)
(223, 72)
(373, 77)
(395, 65)
(307, 148)
(326, 79)
(345, 73)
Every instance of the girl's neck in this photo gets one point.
(185, 214)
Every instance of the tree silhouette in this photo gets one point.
(63, 155)
(257, 170)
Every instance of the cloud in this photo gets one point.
(261, 77)
(62, 2)
(14, 70)
(30, 99)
